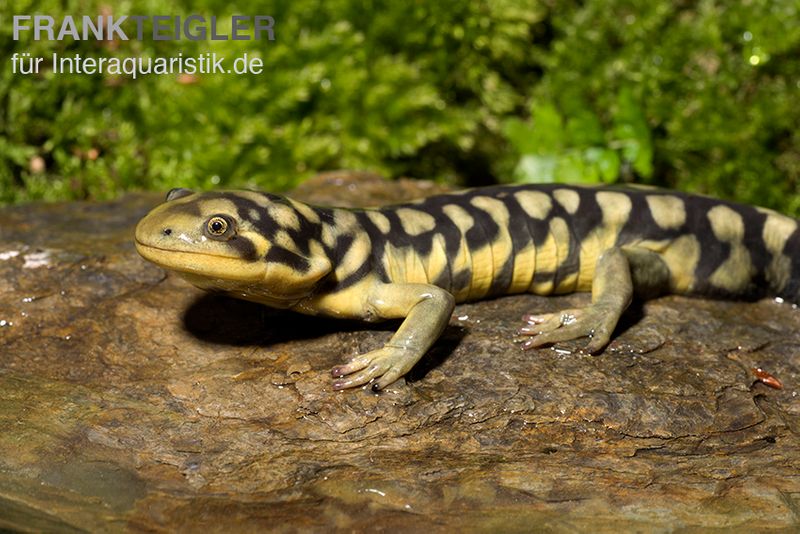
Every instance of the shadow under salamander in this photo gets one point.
(629, 318)
(228, 321)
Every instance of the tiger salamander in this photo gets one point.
(416, 260)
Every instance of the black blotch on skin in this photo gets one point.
(354, 277)
(422, 244)
(268, 227)
(307, 232)
(277, 199)
(588, 217)
(571, 263)
(265, 225)
(501, 280)
(521, 235)
(483, 231)
(713, 252)
(792, 250)
(759, 255)
(461, 280)
(377, 245)
(371, 263)
(282, 255)
(341, 247)
(244, 248)
(641, 221)
(397, 234)
(541, 277)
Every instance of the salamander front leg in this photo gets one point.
(620, 272)
(427, 311)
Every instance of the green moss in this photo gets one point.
(700, 96)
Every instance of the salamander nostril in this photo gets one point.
(167, 231)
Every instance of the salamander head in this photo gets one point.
(225, 241)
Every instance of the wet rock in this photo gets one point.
(132, 401)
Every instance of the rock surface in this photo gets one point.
(133, 402)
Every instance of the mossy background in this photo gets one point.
(701, 96)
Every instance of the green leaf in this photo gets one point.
(632, 134)
(520, 134)
(548, 129)
(536, 169)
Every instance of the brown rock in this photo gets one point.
(132, 401)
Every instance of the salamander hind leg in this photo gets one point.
(593, 322)
(427, 311)
(619, 273)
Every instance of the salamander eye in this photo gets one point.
(217, 226)
(220, 227)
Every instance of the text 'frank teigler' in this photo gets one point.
(141, 27)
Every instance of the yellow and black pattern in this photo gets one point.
(415, 260)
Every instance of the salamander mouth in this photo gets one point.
(162, 251)
(214, 272)
(203, 264)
